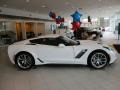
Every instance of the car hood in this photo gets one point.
(89, 42)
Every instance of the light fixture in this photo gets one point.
(106, 18)
(99, 0)
(43, 6)
(27, 1)
(94, 20)
(110, 7)
(85, 20)
(67, 3)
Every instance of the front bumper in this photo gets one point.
(113, 56)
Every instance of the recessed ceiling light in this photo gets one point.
(67, 3)
(106, 18)
(27, 1)
(110, 7)
(99, 0)
(43, 6)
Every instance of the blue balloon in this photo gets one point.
(59, 17)
(50, 13)
(76, 16)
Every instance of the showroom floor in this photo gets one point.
(61, 77)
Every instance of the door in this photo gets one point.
(56, 54)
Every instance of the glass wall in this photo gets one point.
(13, 31)
(7, 32)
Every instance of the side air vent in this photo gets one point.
(81, 53)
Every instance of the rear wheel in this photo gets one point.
(98, 59)
(24, 60)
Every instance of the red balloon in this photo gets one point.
(62, 20)
(78, 24)
(53, 16)
(75, 25)
(57, 21)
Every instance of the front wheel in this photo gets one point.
(98, 60)
(24, 60)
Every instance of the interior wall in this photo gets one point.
(10, 26)
(40, 29)
(29, 27)
(16, 12)
(34, 26)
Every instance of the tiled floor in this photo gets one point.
(62, 77)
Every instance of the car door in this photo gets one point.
(51, 53)
(80, 54)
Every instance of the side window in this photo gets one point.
(51, 41)
(46, 41)
(37, 41)
(61, 40)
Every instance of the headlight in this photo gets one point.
(108, 48)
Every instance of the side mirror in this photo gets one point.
(61, 45)
(78, 42)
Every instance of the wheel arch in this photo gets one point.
(24, 52)
(98, 50)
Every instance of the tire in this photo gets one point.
(24, 61)
(98, 59)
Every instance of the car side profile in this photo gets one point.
(56, 49)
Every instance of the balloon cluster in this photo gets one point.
(76, 20)
(52, 15)
(59, 19)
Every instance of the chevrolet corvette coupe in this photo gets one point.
(56, 49)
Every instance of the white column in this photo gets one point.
(35, 29)
(24, 30)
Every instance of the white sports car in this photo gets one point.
(56, 49)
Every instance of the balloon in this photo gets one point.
(75, 25)
(62, 20)
(78, 24)
(57, 21)
(59, 17)
(52, 15)
(76, 16)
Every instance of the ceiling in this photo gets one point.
(94, 8)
